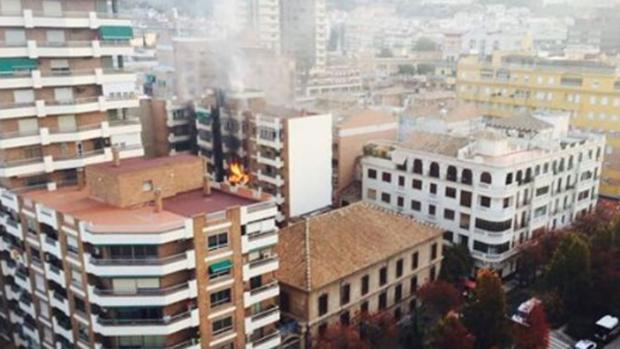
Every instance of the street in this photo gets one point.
(559, 340)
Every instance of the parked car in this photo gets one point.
(606, 328)
(523, 312)
(585, 344)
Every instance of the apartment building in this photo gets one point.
(494, 188)
(141, 253)
(65, 98)
(360, 259)
(290, 157)
(304, 32)
(168, 127)
(353, 128)
(263, 16)
(589, 89)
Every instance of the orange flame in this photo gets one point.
(237, 174)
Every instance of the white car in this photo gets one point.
(585, 344)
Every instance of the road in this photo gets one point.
(558, 340)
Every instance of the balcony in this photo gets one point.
(256, 241)
(271, 143)
(69, 49)
(63, 330)
(260, 294)
(9, 200)
(177, 121)
(19, 139)
(12, 292)
(14, 168)
(146, 327)
(55, 274)
(59, 301)
(274, 161)
(144, 267)
(14, 228)
(269, 341)
(262, 319)
(83, 159)
(150, 297)
(132, 125)
(31, 332)
(8, 268)
(22, 280)
(16, 317)
(66, 19)
(26, 305)
(51, 246)
(271, 179)
(260, 267)
(178, 138)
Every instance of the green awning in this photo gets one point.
(203, 113)
(116, 33)
(9, 65)
(220, 266)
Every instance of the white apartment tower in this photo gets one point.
(304, 32)
(492, 189)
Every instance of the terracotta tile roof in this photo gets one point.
(357, 117)
(325, 248)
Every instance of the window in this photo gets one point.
(433, 273)
(485, 201)
(451, 174)
(466, 177)
(222, 325)
(372, 194)
(399, 268)
(506, 202)
(417, 166)
(364, 308)
(345, 318)
(414, 260)
(147, 186)
(493, 226)
(398, 293)
(400, 201)
(372, 173)
(542, 191)
(345, 294)
(220, 297)
(416, 205)
(448, 214)
(416, 184)
(401, 181)
(383, 276)
(448, 236)
(464, 221)
(217, 241)
(451, 192)
(383, 301)
(485, 177)
(434, 170)
(365, 284)
(431, 210)
(220, 269)
(414, 284)
(323, 304)
(386, 177)
(385, 197)
(433, 188)
(433, 252)
(465, 198)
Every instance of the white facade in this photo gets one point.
(309, 142)
(304, 32)
(491, 191)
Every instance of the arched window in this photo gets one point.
(434, 171)
(417, 166)
(452, 173)
(485, 177)
(466, 176)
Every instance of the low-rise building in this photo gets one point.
(491, 189)
(353, 260)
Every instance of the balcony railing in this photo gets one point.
(262, 288)
(134, 261)
(260, 235)
(143, 322)
(143, 292)
(266, 338)
(260, 262)
(265, 313)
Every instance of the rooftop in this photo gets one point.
(442, 144)
(285, 112)
(326, 248)
(522, 122)
(141, 164)
(195, 202)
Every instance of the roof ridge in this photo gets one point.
(307, 254)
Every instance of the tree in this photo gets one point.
(457, 263)
(485, 313)
(406, 69)
(569, 272)
(605, 261)
(531, 259)
(536, 334)
(426, 68)
(438, 298)
(449, 333)
(338, 336)
(379, 330)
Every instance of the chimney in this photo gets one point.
(159, 203)
(116, 156)
(206, 186)
(81, 178)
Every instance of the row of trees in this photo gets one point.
(444, 319)
(576, 272)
